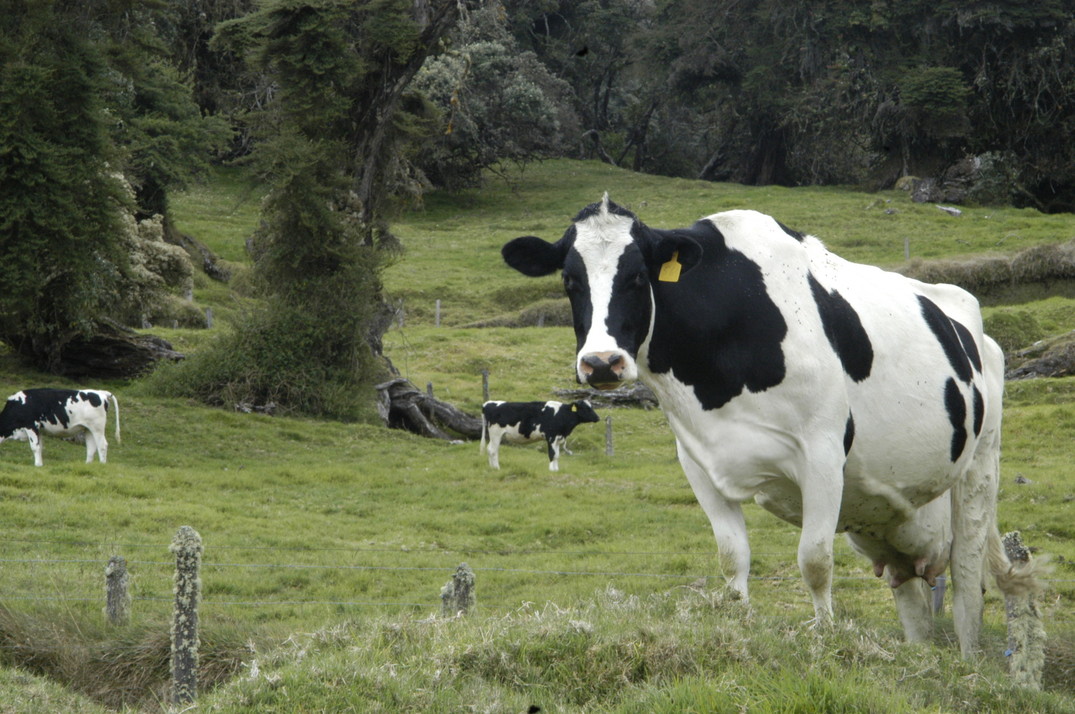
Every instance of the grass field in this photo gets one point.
(326, 544)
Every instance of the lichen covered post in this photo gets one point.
(1026, 634)
(187, 546)
(117, 593)
(457, 595)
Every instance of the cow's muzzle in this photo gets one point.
(602, 370)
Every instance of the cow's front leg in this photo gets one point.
(726, 519)
(35, 446)
(554, 452)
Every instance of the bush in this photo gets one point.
(1013, 329)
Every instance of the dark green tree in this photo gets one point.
(333, 145)
(497, 103)
(60, 198)
(88, 107)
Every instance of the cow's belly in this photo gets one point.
(513, 435)
(59, 429)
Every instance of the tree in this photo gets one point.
(78, 118)
(497, 103)
(333, 144)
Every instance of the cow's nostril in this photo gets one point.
(614, 360)
(593, 361)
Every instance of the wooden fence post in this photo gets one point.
(1026, 635)
(485, 386)
(187, 546)
(457, 595)
(608, 435)
(117, 594)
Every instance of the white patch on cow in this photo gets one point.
(600, 240)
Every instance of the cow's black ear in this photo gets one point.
(533, 256)
(676, 248)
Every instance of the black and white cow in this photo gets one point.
(31, 413)
(839, 396)
(522, 422)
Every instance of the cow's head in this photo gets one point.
(610, 262)
(585, 412)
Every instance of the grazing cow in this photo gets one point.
(839, 396)
(60, 412)
(521, 422)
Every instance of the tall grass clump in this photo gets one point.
(115, 667)
(684, 650)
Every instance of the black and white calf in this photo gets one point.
(31, 413)
(838, 396)
(522, 422)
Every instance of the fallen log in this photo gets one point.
(403, 406)
(634, 395)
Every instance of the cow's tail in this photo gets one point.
(485, 432)
(1016, 575)
(115, 405)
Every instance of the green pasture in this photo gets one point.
(326, 544)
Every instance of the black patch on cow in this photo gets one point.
(979, 411)
(41, 405)
(969, 347)
(957, 416)
(844, 330)
(945, 332)
(577, 287)
(849, 434)
(717, 329)
(791, 232)
(535, 256)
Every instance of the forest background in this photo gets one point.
(348, 112)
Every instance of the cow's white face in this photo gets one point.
(607, 282)
(610, 262)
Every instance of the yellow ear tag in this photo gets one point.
(670, 271)
(574, 407)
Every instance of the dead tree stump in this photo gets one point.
(457, 596)
(1026, 634)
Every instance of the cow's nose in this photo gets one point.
(603, 370)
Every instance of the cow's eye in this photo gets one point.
(641, 280)
(569, 283)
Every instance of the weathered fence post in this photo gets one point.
(208, 318)
(485, 386)
(187, 546)
(938, 594)
(117, 594)
(457, 595)
(1026, 635)
(608, 435)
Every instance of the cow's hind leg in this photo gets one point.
(913, 603)
(821, 513)
(726, 519)
(96, 443)
(493, 448)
